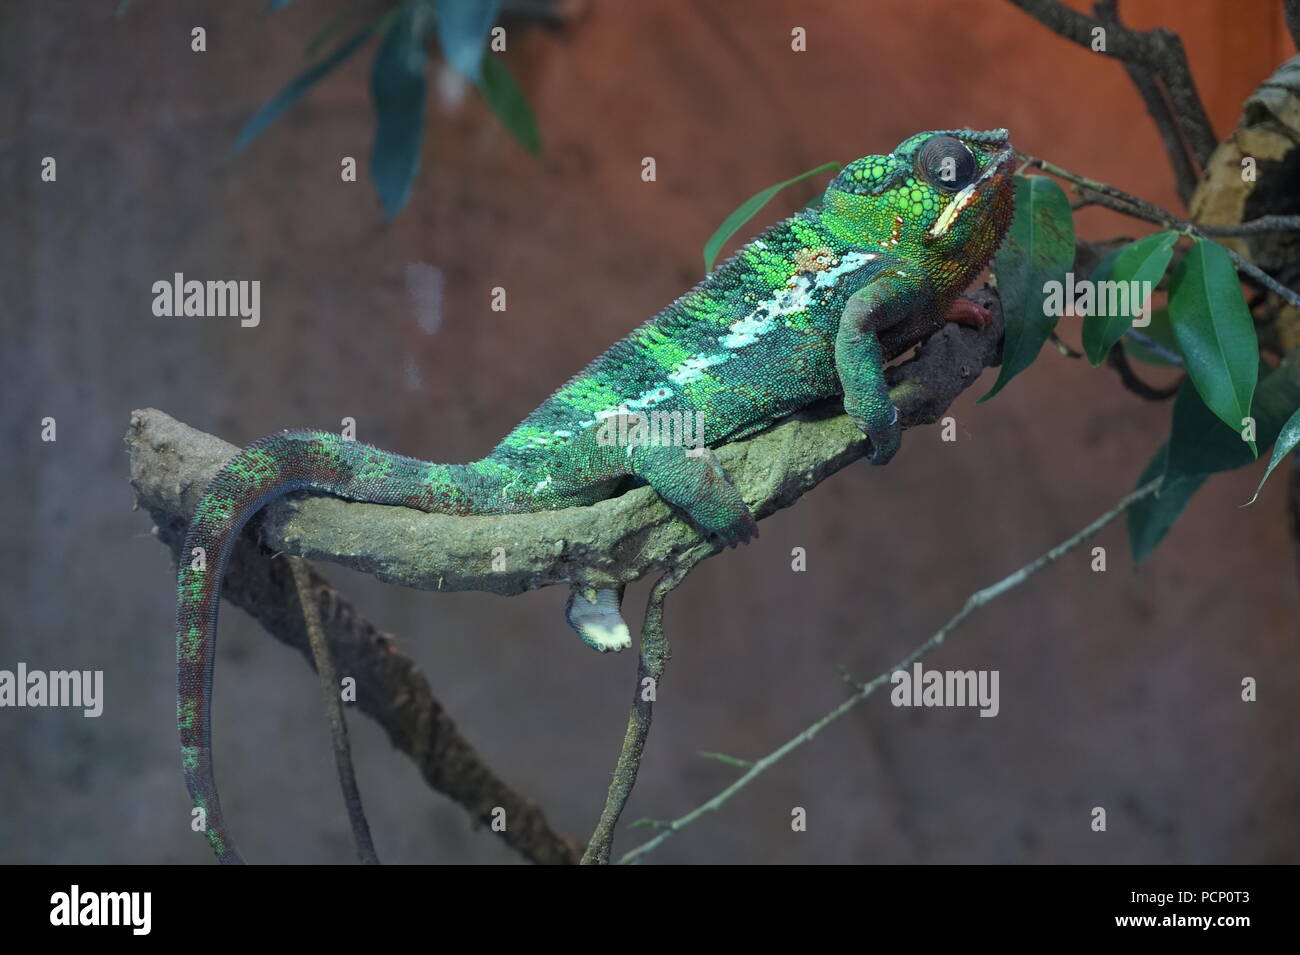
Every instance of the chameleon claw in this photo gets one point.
(744, 530)
(882, 450)
(885, 442)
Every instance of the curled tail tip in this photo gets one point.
(226, 853)
(223, 847)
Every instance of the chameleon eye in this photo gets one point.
(946, 163)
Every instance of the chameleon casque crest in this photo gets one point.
(804, 312)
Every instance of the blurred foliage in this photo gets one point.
(406, 33)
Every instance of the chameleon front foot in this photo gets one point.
(966, 312)
(885, 441)
(598, 622)
(860, 359)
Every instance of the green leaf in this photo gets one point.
(1143, 262)
(1215, 331)
(1038, 249)
(463, 27)
(1286, 443)
(282, 100)
(1159, 331)
(502, 94)
(1107, 263)
(1150, 519)
(749, 208)
(1200, 443)
(398, 84)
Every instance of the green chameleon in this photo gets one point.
(804, 312)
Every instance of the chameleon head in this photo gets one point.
(944, 198)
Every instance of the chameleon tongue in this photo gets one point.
(598, 622)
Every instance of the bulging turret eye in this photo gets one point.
(946, 163)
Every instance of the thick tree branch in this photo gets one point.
(1148, 87)
(1292, 12)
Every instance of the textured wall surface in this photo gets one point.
(1118, 689)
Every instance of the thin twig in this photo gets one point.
(1117, 205)
(1264, 225)
(1064, 348)
(1118, 359)
(329, 683)
(1153, 346)
(654, 654)
(1131, 205)
(974, 602)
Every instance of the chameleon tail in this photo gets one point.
(266, 470)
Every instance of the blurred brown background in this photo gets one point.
(1118, 689)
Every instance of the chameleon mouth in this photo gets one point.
(963, 198)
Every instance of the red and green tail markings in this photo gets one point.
(271, 468)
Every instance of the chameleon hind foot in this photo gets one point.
(598, 622)
(694, 481)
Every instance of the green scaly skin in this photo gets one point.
(802, 313)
